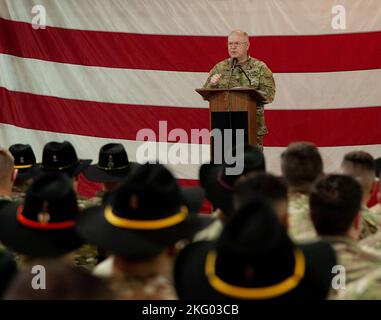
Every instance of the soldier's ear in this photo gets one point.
(357, 221)
(14, 175)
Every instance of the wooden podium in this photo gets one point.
(231, 102)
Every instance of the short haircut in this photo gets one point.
(335, 201)
(301, 164)
(361, 166)
(362, 159)
(261, 185)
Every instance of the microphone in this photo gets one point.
(247, 77)
(234, 63)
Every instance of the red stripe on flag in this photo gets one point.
(98, 119)
(314, 53)
(347, 127)
(331, 127)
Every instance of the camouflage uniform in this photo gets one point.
(155, 287)
(87, 255)
(357, 262)
(369, 223)
(300, 226)
(261, 79)
(85, 203)
(376, 211)
(18, 193)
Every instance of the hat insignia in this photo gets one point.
(44, 217)
(110, 164)
(22, 160)
(134, 203)
(55, 158)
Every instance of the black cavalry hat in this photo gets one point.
(62, 157)
(148, 213)
(219, 183)
(254, 259)
(113, 164)
(24, 161)
(44, 225)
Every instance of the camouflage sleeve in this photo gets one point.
(267, 83)
(212, 72)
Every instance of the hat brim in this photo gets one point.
(192, 283)
(96, 174)
(94, 228)
(26, 174)
(34, 242)
(220, 197)
(72, 171)
(193, 197)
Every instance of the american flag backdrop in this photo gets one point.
(103, 69)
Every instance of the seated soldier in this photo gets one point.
(111, 170)
(335, 205)
(61, 157)
(142, 226)
(254, 259)
(8, 174)
(42, 226)
(263, 185)
(219, 186)
(301, 165)
(360, 165)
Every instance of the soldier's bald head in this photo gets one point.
(240, 33)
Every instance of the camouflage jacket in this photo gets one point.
(300, 226)
(376, 210)
(369, 223)
(357, 262)
(261, 79)
(18, 193)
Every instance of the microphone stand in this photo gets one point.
(247, 77)
(234, 65)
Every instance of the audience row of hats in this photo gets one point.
(113, 163)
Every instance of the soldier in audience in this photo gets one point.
(301, 165)
(219, 186)
(335, 205)
(7, 174)
(263, 185)
(361, 166)
(111, 170)
(62, 157)
(142, 226)
(43, 226)
(25, 164)
(254, 259)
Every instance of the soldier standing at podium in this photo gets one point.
(258, 76)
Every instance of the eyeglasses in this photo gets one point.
(236, 43)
